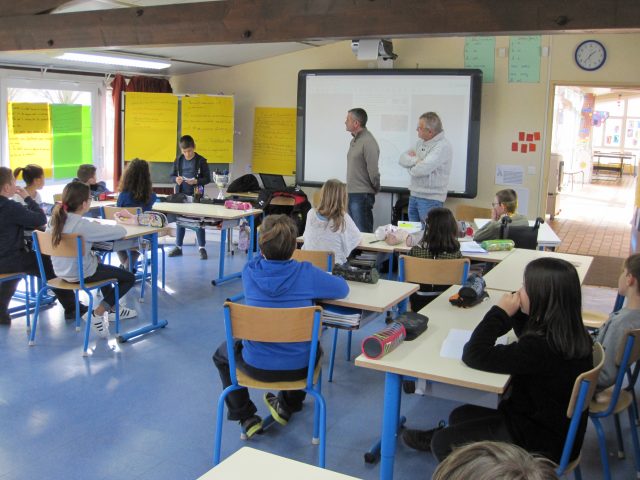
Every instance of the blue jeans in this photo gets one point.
(419, 208)
(361, 210)
(180, 231)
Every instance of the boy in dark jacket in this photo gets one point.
(14, 257)
(274, 280)
(190, 170)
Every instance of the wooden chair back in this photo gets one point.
(434, 272)
(109, 212)
(469, 212)
(592, 377)
(68, 246)
(324, 260)
(281, 325)
(57, 197)
(316, 199)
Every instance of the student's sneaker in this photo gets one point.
(251, 425)
(71, 314)
(124, 314)
(175, 252)
(100, 325)
(278, 412)
(203, 254)
(420, 439)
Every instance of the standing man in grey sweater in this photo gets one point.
(429, 165)
(363, 175)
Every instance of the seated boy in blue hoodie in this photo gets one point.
(274, 280)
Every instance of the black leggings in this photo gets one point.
(470, 423)
(125, 278)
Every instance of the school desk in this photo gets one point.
(249, 463)
(378, 297)
(447, 377)
(489, 257)
(102, 203)
(229, 218)
(507, 275)
(547, 238)
(151, 233)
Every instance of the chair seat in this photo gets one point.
(602, 399)
(592, 319)
(9, 275)
(64, 285)
(250, 382)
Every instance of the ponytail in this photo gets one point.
(30, 173)
(58, 219)
(73, 196)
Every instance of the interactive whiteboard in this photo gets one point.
(393, 100)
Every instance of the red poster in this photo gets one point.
(521, 136)
(536, 136)
(529, 137)
(514, 147)
(532, 147)
(523, 148)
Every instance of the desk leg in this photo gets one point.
(252, 232)
(221, 276)
(391, 260)
(390, 416)
(155, 323)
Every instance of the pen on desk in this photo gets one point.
(375, 241)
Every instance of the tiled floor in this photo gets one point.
(595, 218)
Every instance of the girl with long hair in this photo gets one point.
(329, 227)
(135, 191)
(440, 242)
(552, 349)
(33, 176)
(67, 217)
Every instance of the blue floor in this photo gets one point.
(145, 409)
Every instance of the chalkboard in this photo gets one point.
(394, 100)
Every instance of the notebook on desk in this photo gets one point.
(273, 182)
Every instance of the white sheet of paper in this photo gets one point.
(509, 174)
(456, 340)
(471, 247)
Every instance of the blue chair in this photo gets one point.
(71, 246)
(5, 277)
(615, 399)
(583, 389)
(428, 271)
(274, 325)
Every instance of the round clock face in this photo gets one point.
(590, 55)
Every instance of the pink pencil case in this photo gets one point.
(235, 205)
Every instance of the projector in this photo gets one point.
(372, 49)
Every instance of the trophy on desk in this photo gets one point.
(221, 180)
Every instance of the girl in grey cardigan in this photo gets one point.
(68, 218)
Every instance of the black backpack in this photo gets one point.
(245, 183)
(298, 212)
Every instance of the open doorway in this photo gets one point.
(595, 148)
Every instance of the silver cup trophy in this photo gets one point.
(221, 181)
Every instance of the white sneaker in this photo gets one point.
(99, 325)
(124, 314)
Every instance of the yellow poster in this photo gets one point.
(150, 126)
(209, 120)
(29, 135)
(274, 141)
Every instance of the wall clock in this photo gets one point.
(590, 55)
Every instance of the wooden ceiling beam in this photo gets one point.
(12, 8)
(263, 21)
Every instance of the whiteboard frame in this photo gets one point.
(473, 144)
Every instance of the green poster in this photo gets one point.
(71, 131)
(479, 52)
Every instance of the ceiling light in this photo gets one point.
(135, 62)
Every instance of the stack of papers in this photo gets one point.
(471, 247)
(456, 340)
(351, 318)
(411, 227)
(366, 259)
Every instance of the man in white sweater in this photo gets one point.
(429, 165)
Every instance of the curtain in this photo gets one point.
(135, 84)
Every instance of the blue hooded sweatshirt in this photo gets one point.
(281, 284)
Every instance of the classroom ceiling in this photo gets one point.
(199, 35)
(184, 59)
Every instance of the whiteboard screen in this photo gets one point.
(393, 100)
